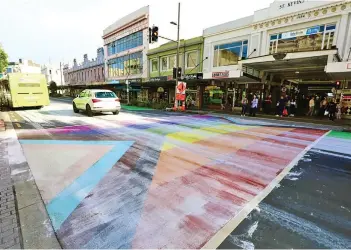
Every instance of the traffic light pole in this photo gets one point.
(177, 59)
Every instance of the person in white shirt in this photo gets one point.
(311, 105)
(254, 105)
(292, 107)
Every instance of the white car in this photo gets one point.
(97, 101)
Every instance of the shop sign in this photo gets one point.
(223, 74)
(291, 4)
(349, 66)
(158, 79)
(303, 32)
(181, 88)
(193, 76)
(113, 82)
(136, 80)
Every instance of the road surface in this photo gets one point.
(150, 179)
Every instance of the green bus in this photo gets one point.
(24, 90)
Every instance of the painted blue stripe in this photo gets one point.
(67, 201)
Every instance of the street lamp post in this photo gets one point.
(177, 59)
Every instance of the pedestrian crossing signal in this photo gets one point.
(337, 85)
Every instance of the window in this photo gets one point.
(313, 38)
(125, 65)
(125, 43)
(105, 95)
(230, 53)
(164, 63)
(154, 65)
(191, 59)
(172, 63)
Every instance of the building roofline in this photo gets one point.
(183, 44)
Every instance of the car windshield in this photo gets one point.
(105, 95)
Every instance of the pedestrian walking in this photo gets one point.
(323, 107)
(292, 107)
(338, 111)
(282, 102)
(268, 104)
(244, 103)
(332, 110)
(254, 105)
(311, 105)
(223, 103)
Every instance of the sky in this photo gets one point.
(53, 31)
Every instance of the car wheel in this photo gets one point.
(89, 111)
(75, 110)
(116, 112)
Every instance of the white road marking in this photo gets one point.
(222, 234)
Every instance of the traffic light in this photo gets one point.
(337, 85)
(177, 73)
(154, 34)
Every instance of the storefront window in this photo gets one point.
(154, 65)
(164, 63)
(191, 59)
(126, 65)
(309, 39)
(230, 53)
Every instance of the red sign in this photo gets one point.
(180, 94)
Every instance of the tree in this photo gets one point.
(3, 60)
(53, 87)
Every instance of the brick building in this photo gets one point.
(89, 72)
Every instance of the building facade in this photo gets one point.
(161, 85)
(126, 45)
(281, 50)
(87, 73)
(23, 66)
(53, 73)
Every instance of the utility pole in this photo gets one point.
(177, 59)
(61, 73)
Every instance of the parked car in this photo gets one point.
(96, 101)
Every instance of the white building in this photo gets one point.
(126, 45)
(287, 45)
(53, 73)
(23, 66)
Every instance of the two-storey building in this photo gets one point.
(162, 60)
(86, 74)
(280, 50)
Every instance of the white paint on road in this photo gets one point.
(221, 235)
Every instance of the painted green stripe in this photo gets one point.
(339, 134)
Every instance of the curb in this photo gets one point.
(2, 125)
(2, 122)
(36, 228)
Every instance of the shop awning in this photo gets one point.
(339, 70)
(295, 66)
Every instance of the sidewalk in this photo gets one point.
(24, 222)
(345, 124)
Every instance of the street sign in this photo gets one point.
(181, 88)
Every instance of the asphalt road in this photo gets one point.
(151, 179)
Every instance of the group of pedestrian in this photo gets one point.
(251, 104)
(331, 109)
(286, 106)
